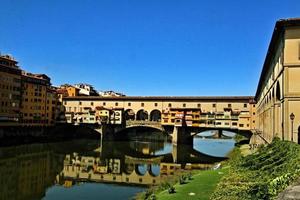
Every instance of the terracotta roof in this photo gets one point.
(165, 98)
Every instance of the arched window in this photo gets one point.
(155, 115)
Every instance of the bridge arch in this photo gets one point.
(141, 169)
(129, 168)
(129, 114)
(154, 170)
(142, 115)
(155, 115)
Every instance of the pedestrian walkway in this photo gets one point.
(291, 193)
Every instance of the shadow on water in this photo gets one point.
(85, 167)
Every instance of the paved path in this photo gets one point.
(291, 193)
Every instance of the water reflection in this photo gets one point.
(26, 171)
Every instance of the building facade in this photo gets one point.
(278, 92)
(39, 101)
(10, 87)
(205, 111)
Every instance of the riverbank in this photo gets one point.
(261, 175)
(247, 175)
(40, 134)
(201, 186)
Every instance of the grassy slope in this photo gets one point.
(203, 185)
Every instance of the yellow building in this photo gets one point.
(38, 100)
(235, 112)
(10, 86)
(278, 91)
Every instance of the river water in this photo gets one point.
(97, 169)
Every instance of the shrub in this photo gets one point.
(261, 175)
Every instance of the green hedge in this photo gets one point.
(261, 175)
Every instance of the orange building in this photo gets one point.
(10, 86)
(38, 100)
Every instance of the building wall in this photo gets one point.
(279, 94)
(39, 102)
(245, 106)
(10, 86)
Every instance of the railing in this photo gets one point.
(259, 133)
(141, 123)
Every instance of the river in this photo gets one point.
(93, 169)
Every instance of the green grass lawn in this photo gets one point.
(202, 185)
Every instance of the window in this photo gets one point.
(116, 104)
(80, 103)
(92, 103)
(245, 105)
(155, 104)
(183, 105)
(213, 105)
(241, 125)
(170, 105)
(199, 105)
(104, 103)
(129, 104)
(253, 113)
(142, 104)
(229, 105)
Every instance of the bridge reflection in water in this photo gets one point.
(134, 162)
(26, 171)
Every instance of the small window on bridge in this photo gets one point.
(241, 125)
(229, 105)
(245, 105)
(80, 103)
(104, 103)
(214, 105)
(198, 105)
(142, 104)
(92, 103)
(183, 105)
(129, 104)
(140, 180)
(155, 104)
(116, 104)
(170, 105)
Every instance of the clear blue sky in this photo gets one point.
(145, 47)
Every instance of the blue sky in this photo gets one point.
(145, 47)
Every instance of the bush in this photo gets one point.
(261, 175)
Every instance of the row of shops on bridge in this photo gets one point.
(192, 117)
